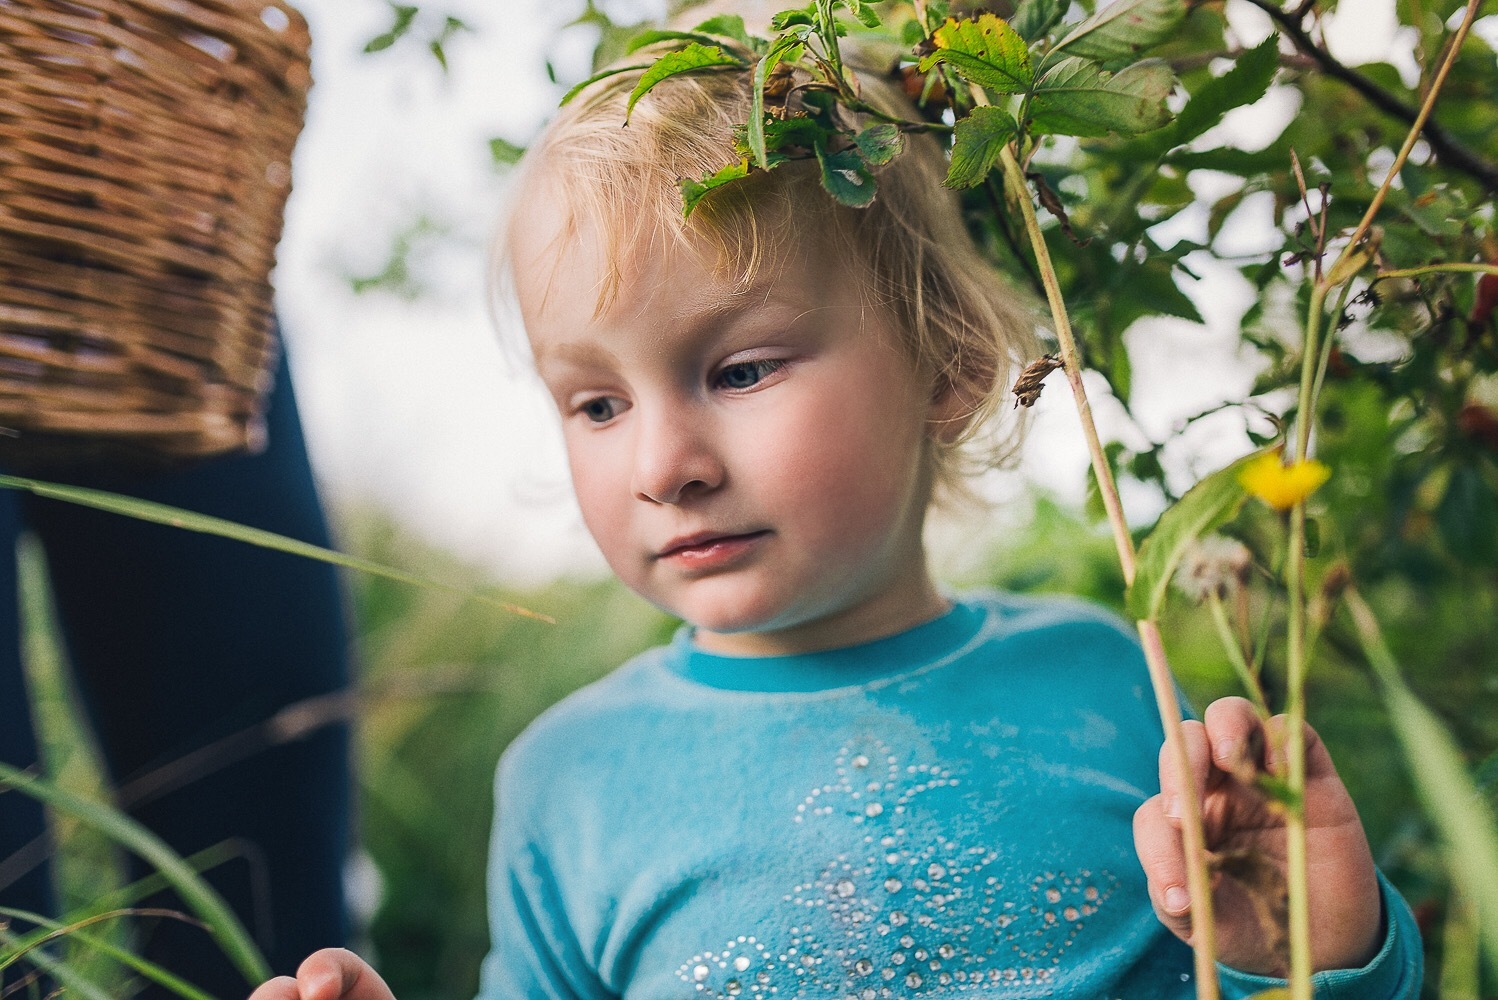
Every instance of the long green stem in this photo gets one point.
(1295, 758)
(1457, 268)
(1352, 258)
(1234, 651)
(1198, 879)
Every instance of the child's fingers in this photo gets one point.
(335, 973)
(1195, 737)
(1236, 737)
(1318, 761)
(1157, 840)
(280, 988)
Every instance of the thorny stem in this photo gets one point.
(1198, 879)
(1341, 272)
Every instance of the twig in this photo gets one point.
(1447, 149)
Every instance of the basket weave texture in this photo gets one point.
(145, 160)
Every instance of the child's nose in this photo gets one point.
(674, 460)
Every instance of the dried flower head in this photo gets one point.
(1027, 387)
(1214, 566)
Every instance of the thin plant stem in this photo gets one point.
(1296, 874)
(1458, 268)
(1352, 258)
(1198, 878)
(1234, 650)
(1071, 361)
(1452, 52)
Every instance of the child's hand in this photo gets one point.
(330, 974)
(1247, 837)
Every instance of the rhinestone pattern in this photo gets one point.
(907, 914)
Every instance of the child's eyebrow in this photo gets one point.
(572, 352)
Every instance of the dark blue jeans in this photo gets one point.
(180, 642)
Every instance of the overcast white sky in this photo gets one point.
(409, 405)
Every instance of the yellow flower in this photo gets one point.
(1279, 485)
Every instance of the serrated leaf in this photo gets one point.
(785, 47)
(693, 191)
(804, 16)
(582, 85)
(1245, 83)
(846, 178)
(879, 143)
(984, 50)
(727, 26)
(655, 35)
(1078, 98)
(800, 131)
(693, 59)
(977, 142)
(1205, 507)
(864, 13)
(1036, 17)
(1118, 33)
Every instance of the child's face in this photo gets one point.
(751, 461)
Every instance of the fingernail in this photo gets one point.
(1173, 806)
(1177, 900)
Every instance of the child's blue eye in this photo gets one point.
(746, 374)
(600, 410)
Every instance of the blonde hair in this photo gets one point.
(965, 328)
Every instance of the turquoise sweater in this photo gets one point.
(947, 810)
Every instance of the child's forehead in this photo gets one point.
(572, 249)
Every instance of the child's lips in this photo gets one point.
(709, 550)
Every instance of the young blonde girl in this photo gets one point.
(838, 780)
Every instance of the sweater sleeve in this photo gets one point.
(1394, 973)
(533, 953)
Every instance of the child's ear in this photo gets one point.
(955, 401)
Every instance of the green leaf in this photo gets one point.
(380, 43)
(864, 13)
(727, 26)
(1036, 17)
(582, 85)
(222, 924)
(1242, 85)
(504, 152)
(1205, 507)
(785, 47)
(879, 144)
(985, 50)
(158, 513)
(655, 35)
(1450, 796)
(846, 178)
(693, 191)
(1078, 98)
(1116, 35)
(976, 144)
(695, 58)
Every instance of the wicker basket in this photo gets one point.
(145, 151)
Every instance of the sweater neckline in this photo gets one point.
(825, 670)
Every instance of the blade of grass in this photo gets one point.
(157, 513)
(221, 922)
(74, 931)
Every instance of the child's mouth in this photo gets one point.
(710, 551)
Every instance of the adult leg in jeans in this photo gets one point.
(184, 645)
